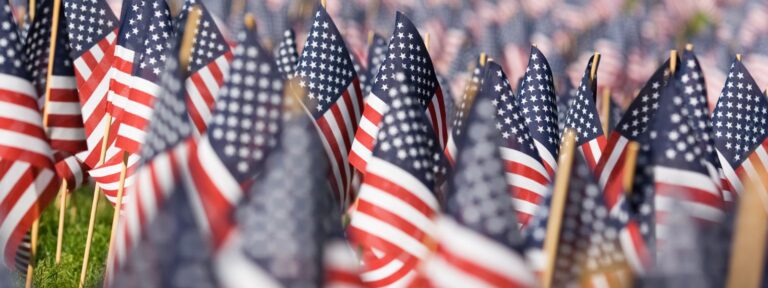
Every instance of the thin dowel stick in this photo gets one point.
(426, 40)
(32, 7)
(605, 110)
(748, 248)
(672, 61)
(689, 47)
(593, 70)
(51, 55)
(629, 166)
(559, 197)
(118, 206)
(249, 21)
(62, 213)
(94, 204)
(483, 59)
(189, 33)
(738, 57)
(33, 249)
(324, 3)
(370, 37)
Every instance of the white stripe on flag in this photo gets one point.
(525, 159)
(610, 163)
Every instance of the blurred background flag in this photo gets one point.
(477, 235)
(393, 218)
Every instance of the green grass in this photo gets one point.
(67, 273)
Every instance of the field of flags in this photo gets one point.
(441, 143)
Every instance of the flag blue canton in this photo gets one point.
(146, 30)
(11, 56)
(406, 139)
(286, 55)
(740, 116)
(583, 116)
(508, 119)
(694, 91)
(675, 143)
(88, 21)
(408, 62)
(537, 102)
(477, 196)
(247, 116)
(470, 92)
(589, 234)
(563, 102)
(325, 65)
(170, 122)
(37, 46)
(209, 42)
(174, 252)
(640, 203)
(281, 219)
(377, 54)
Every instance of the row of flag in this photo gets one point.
(230, 163)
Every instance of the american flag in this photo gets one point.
(208, 66)
(287, 55)
(588, 249)
(92, 30)
(631, 127)
(71, 168)
(638, 237)
(26, 160)
(65, 123)
(144, 37)
(283, 218)
(682, 168)
(333, 97)
(174, 252)
(393, 221)
(377, 55)
(680, 261)
(527, 179)
(161, 157)
(739, 122)
(222, 164)
(536, 95)
(477, 236)
(584, 118)
(408, 61)
(457, 120)
(140, 52)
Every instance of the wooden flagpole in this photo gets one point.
(629, 166)
(672, 61)
(560, 194)
(483, 59)
(738, 57)
(426, 40)
(118, 207)
(324, 3)
(606, 109)
(593, 70)
(748, 247)
(32, 5)
(94, 203)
